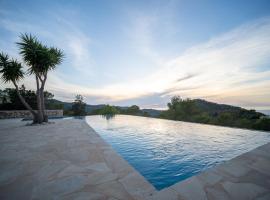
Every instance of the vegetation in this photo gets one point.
(78, 106)
(40, 59)
(9, 99)
(195, 110)
(108, 110)
(113, 110)
(211, 113)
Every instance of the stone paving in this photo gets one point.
(64, 160)
(69, 160)
(246, 177)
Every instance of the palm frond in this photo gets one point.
(32, 52)
(56, 57)
(4, 60)
(12, 71)
(37, 56)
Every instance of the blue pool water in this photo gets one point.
(166, 152)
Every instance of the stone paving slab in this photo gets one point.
(69, 160)
(64, 160)
(246, 177)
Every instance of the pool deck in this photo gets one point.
(69, 160)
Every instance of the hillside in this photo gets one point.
(201, 111)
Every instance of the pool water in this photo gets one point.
(166, 152)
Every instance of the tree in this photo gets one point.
(108, 110)
(201, 111)
(11, 71)
(134, 109)
(78, 106)
(3, 97)
(40, 59)
(9, 99)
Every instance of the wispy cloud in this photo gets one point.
(229, 68)
(62, 33)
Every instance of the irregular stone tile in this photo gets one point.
(58, 187)
(209, 177)
(190, 189)
(100, 167)
(117, 164)
(72, 170)
(86, 196)
(264, 197)
(256, 178)
(97, 178)
(19, 189)
(114, 189)
(51, 169)
(216, 192)
(265, 148)
(10, 172)
(165, 194)
(96, 156)
(261, 165)
(260, 153)
(245, 191)
(69, 160)
(137, 186)
(234, 169)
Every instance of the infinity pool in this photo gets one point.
(166, 152)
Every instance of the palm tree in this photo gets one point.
(40, 59)
(11, 71)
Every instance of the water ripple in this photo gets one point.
(166, 152)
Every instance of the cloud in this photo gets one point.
(60, 33)
(228, 68)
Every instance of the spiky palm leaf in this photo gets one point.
(39, 57)
(56, 57)
(12, 72)
(4, 60)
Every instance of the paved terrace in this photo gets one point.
(69, 160)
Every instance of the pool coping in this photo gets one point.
(69, 159)
(231, 179)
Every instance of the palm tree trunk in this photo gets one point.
(28, 107)
(40, 115)
(45, 117)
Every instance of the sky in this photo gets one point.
(144, 52)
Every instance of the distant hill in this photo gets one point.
(152, 112)
(201, 111)
(91, 108)
(206, 106)
(215, 108)
(266, 112)
(68, 105)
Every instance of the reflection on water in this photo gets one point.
(166, 151)
(108, 116)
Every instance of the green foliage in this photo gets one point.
(40, 59)
(262, 124)
(9, 99)
(132, 110)
(11, 70)
(37, 56)
(78, 106)
(113, 110)
(108, 110)
(211, 113)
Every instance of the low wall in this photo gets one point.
(7, 114)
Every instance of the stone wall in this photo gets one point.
(7, 114)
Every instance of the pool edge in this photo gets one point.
(221, 180)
